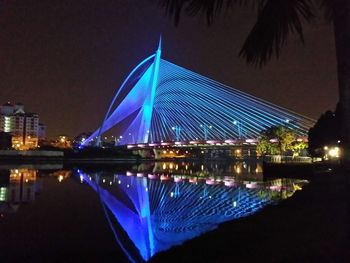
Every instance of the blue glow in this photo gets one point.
(105, 127)
(148, 104)
(161, 215)
(167, 96)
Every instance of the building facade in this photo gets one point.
(23, 126)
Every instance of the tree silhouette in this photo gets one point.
(325, 132)
(276, 20)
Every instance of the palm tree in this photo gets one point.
(276, 19)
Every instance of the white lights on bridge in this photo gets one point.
(152, 176)
(177, 179)
(129, 173)
(252, 185)
(166, 143)
(229, 183)
(213, 142)
(211, 181)
(165, 177)
(251, 140)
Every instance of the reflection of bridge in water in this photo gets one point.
(191, 169)
(165, 207)
(197, 149)
(160, 101)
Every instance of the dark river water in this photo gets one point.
(126, 212)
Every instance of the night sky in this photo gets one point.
(65, 59)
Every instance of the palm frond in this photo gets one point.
(210, 8)
(327, 6)
(276, 20)
(173, 8)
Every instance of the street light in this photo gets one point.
(117, 141)
(239, 128)
(206, 130)
(177, 130)
(132, 137)
(148, 136)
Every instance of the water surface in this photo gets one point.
(125, 212)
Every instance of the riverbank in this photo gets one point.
(86, 155)
(311, 226)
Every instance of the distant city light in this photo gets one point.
(331, 152)
(334, 152)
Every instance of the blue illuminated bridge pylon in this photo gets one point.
(161, 101)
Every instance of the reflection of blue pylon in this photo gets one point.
(177, 190)
(205, 192)
(236, 201)
(155, 221)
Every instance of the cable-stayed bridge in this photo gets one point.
(160, 101)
